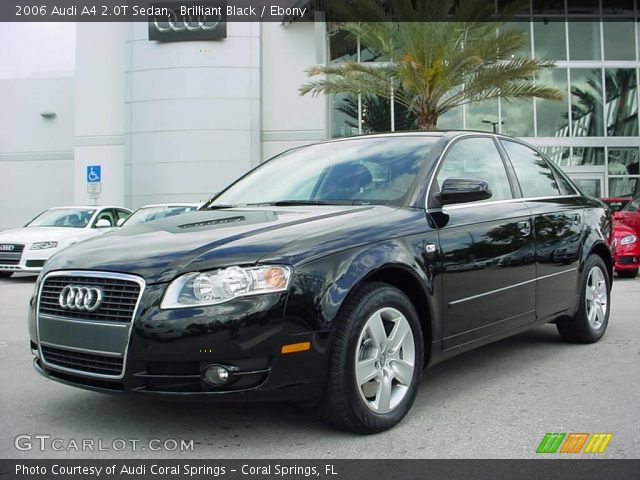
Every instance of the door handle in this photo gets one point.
(576, 218)
(524, 227)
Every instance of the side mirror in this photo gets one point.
(463, 190)
(103, 223)
(617, 216)
(120, 222)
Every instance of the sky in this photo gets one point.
(37, 49)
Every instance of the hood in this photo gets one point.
(621, 230)
(160, 250)
(41, 234)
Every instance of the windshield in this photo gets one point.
(63, 217)
(149, 214)
(373, 170)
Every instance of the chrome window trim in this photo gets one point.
(90, 274)
(509, 287)
(498, 202)
(496, 138)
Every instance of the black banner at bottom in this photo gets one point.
(387, 469)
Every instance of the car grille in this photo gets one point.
(81, 361)
(118, 302)
(627, 260)
(10, 257)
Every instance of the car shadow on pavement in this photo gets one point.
(232, 425)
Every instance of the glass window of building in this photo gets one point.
(344, 115)
(586, 102)
(617, 7)
(517, 118)
(376, 114)
(548, 7)
(451, 120)
(549, 42)
(623, 161)
(617, 44)
(525, 28)
(584, 41)
(552, 115)
(623, 187)
(587, 156)
(534, 174)
(483, 116)
(583, 7)
(622, 102)
(561, 156)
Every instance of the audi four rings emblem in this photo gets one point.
(6, 248)
(74, 297)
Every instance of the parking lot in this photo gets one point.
(495, 402)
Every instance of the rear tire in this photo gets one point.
(376, 361)
(5, 274)
(590, 322)
(627, 273)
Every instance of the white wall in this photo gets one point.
(36, 154)
(289, 120)
(193, 114)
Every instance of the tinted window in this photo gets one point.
(364, 170)
(63, 217)
(477, 158)
(633, 205)
(534, 174)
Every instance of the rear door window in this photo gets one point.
(534, 173)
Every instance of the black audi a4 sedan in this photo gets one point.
(333, 273)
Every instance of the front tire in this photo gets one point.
(633, 273)
(376, 361)
(590, 322)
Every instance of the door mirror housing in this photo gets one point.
(103, 223)
(617, 215)
(120, 222)
(463, 190)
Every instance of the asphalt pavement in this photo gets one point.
(495, 402)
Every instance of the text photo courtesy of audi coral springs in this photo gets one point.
(314, 277)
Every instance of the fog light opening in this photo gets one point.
(216, 375)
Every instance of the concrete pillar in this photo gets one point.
(100, 109)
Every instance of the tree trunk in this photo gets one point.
(427, 120)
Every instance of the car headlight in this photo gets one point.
(43, 245)
(628, 240)
(219, 286)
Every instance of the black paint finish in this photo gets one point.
(497, 268)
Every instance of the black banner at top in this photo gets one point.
(286, 11)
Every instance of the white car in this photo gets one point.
(26, 249)
(149, 213)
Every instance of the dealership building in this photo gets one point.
(176, 118)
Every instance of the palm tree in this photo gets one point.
(437, 65)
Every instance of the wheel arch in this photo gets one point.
(603, 251)
(409, 282)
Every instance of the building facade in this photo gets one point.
(177, 121)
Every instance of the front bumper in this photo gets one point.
(627, 257)
(27, 260)
(166, 351)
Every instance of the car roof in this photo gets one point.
(88, 207)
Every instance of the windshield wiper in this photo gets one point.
(219, 207)
(289, 203)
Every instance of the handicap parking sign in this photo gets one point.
(94, 173)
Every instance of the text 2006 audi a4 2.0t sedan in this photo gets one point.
(334, 272)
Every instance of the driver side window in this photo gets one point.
(477, 158)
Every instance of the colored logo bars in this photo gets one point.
(573, 442)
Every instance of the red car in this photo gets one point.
(630, 215)
(626, 251)
(616, 203)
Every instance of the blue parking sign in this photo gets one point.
(94, 173)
